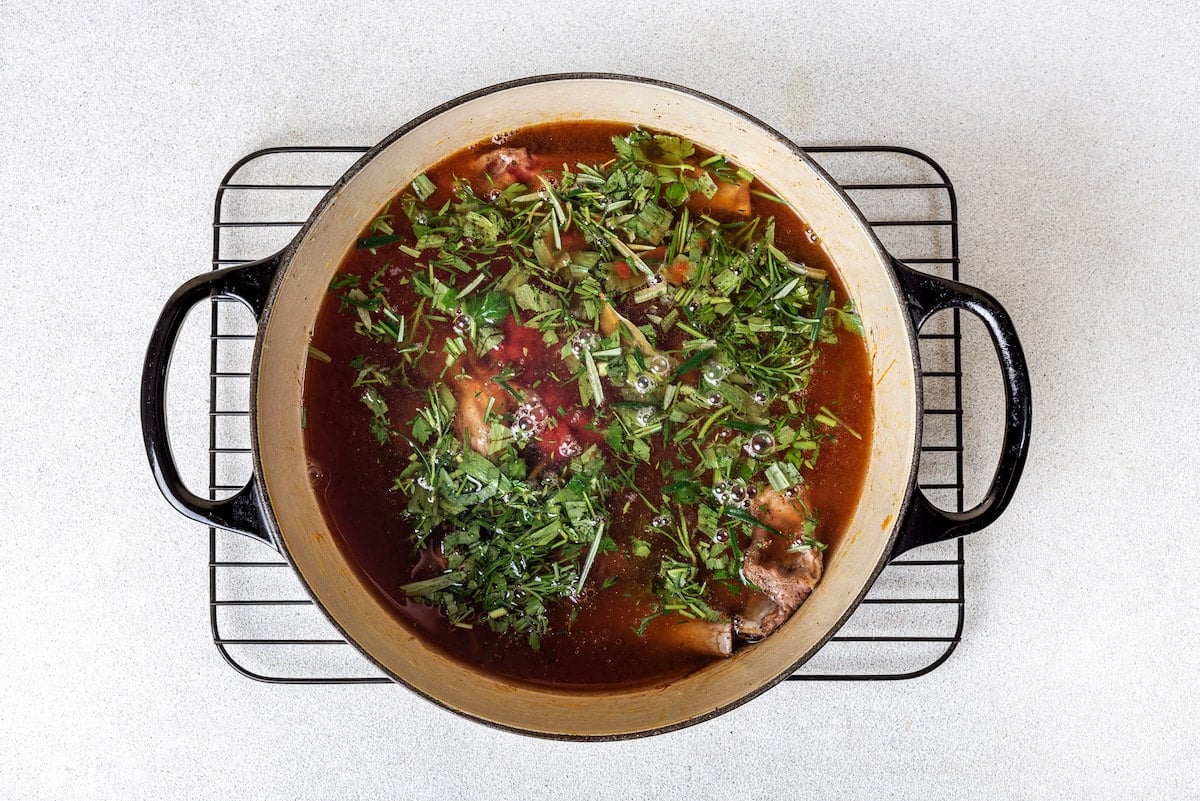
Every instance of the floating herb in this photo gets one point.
(688, 337)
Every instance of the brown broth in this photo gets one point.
(353, 474)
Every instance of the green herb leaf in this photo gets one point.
(423, 187)
(487, 310)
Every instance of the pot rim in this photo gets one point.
(285, 257)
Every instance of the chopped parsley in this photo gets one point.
(682, 344)
(513, 545)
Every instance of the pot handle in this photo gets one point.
(250, 284)
(925, 523)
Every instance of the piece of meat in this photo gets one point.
(785, 582)
(509, 165)
(473, 389)
(783, 514)
(522, 345)
(694, 636)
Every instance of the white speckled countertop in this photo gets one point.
(1070, 131)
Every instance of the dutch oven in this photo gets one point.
(278, 504)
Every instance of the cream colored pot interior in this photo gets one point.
(356, 610)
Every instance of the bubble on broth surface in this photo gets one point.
(585, 339)
(659, 365)
(644, 383)
(713, 371)
(759, 444)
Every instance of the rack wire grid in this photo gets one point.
(267, 628)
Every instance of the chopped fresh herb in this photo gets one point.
(830, 419)
(489, 309)
(690, 336)
(681, 590)
(373, 242)
(379, 409)
(423, 187)
(499, 519)
(742, 516)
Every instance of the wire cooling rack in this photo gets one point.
(267, 628)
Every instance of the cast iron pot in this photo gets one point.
(285, 291)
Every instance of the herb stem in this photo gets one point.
(591, 557)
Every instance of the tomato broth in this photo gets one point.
(586, 316)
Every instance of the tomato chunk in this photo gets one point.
(680, 270)
(520, 343)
